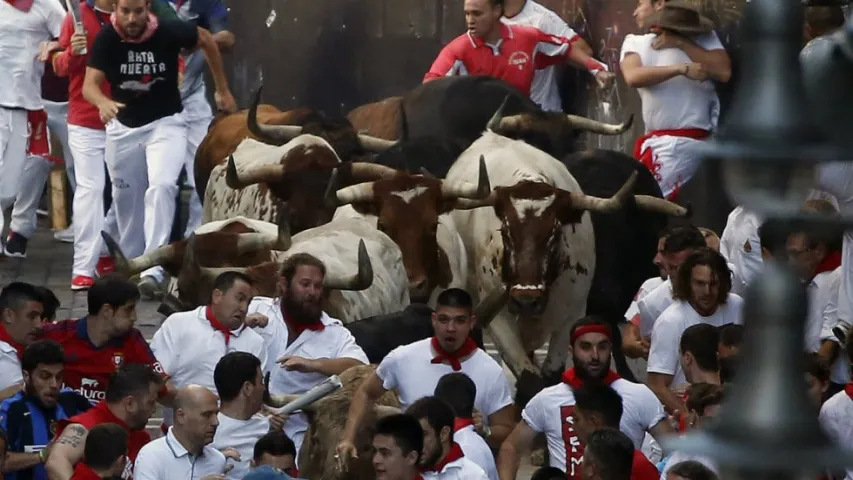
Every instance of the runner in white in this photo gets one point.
(138, 56)
(672, 69)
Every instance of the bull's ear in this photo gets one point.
(565, 209)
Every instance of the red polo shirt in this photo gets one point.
(513, 59)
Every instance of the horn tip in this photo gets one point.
(232, 179)
(365, 267)
(330, 196)
(629, 121)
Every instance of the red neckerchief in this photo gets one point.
(299, 327)
(217, 325)
(571, 378)
(460, 423)
(150, 28)
(22, 5)
(454, 454)
(466, 349)
(5, 337)
(830, 263)
(849, 390)
(682, 417)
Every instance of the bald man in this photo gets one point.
(185, 451)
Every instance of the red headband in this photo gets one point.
(580, 331)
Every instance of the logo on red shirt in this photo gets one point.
(90, 389)
(118, 359)
(518, 59)
(574, 449)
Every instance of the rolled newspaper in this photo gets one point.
(319, 391)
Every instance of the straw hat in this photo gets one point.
(680, 16)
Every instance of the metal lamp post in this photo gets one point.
(769, 147)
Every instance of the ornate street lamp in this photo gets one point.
(767, 428)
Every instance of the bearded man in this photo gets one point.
(551, 410)
(304, 344)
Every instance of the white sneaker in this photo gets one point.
(65, 236)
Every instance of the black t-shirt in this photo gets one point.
(144, 76)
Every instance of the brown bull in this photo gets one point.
(380, 119)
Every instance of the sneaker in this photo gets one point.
(16, 245)
(65, 236)
(105, 265)
(150, 288)
(82, 282)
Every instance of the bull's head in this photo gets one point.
(532, 216)
(407, 208)
(550, 132)
(335, 134)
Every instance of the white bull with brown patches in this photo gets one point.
(412, 210)
(536, 240)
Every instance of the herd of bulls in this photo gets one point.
(461, 182)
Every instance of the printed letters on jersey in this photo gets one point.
(574, 449)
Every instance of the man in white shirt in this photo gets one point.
(672, 69)
(701, 291)
(304, 345)
(397, 443)
(544, 91)
(415, 369)
(550, 411)
(21, 311)
(189, 345)
(678, 245)
(239, 381)
(741, 246)
(633, 345)
(26, 27)
(442, 458)
(185, 451)
(459, 391)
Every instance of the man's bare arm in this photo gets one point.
(662, 429)
(516, 444)
(224, 40)
(638, 76)
(501, 424)
(66, 452)
(214, 61)
(92, 87)
(334, 366)
(21, 461)
(659, 384)
(364, 398)
(11, 390)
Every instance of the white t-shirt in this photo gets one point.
(10, 366)
(678, 102)
(240, 435)
(188, 347)
(653, 305)
(334, 341)
(840, 370)
(477, 450)
(166, 459)
(836, 418)
(461, 469)
(646, 288)
(550, 412)
(409, 370)
(544, 90)
(740, 245)
(664, 356)
(20, 36)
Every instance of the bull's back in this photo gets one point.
(336, 244)
(379, 119)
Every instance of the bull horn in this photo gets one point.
(363, 192)
(595, 204)
(278, 401)
(269, 133)
(361, 280)
(660, 205)
(375, 144)
(264, 173)
(371, 171)
(496, 121)
(141, 263)
(489, 307)
(594, 126)
(383, 411)
(466, 189)
(251, 242)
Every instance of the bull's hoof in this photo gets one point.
(537, 457)
(526, 386)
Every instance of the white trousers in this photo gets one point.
(144, 164)
(836, 178)
(674, 161)
(13, 155)
(36, 170)
(88, 147)
(198, 114)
